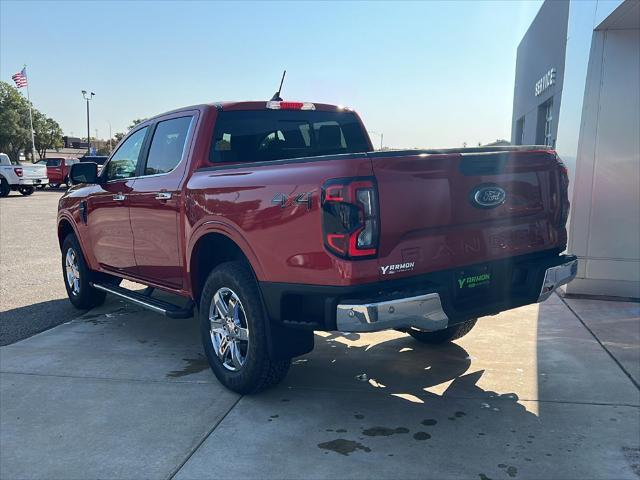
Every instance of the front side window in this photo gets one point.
(167, 145)
(53, 162)
(257, 136)
(123, 163)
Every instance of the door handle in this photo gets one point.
(163, 196)
(118, 197)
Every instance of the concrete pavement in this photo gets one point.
(124, 393)
(32, 294)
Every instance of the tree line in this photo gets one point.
(15, 134)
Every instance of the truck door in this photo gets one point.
(108, 209)
(156, 199)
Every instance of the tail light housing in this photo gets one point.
(350, 217)
(564, 193)
(18, 171)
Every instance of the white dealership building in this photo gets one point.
(577, 89)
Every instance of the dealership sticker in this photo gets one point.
(397, 268)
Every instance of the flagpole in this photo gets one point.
(33, 141)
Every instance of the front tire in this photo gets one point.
(444, 336)
(77, 276)
(26, 190)
(234, 331)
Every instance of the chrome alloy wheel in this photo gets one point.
(229, 329)
(72, 271)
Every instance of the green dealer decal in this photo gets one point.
(474, 281)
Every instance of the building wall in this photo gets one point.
(542, 49)
(605, 220)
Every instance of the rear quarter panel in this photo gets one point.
(284, 243)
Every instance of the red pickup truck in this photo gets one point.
(58, 171)
(277, 218)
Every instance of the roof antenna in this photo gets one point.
(276, 96)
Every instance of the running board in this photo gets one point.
(145, 300)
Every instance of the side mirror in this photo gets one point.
(84, 172)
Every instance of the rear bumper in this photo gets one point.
(428, 302)
(32, 181)
(425, 312)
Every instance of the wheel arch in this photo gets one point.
(65, 227)
(211, 248)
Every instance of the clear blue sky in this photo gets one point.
(428, 74)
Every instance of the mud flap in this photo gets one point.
(286, 342)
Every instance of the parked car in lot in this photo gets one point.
(58, 170)
(278, 218)
(21, 177)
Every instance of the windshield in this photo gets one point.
(256, 136)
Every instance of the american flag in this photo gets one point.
(20, 78)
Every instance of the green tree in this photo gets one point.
(14, 121)
(136, 122)
(48, 133)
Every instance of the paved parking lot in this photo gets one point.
(544, 391)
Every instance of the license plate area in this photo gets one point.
(472, 281)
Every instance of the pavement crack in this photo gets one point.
(624, 370)
(202, 440)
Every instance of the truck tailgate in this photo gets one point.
(441, 211)
(34, 171)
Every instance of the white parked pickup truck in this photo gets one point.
(17, 176)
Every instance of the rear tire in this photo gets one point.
(444, 336)
(4, 188)
(77, 276)
(26, 190)
(230, 311)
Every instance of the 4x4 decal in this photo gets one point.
(304, 198)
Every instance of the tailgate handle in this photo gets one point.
(163, 196)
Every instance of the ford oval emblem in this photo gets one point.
(488, 196)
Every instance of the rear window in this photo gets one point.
(258, 136)
(53, 162)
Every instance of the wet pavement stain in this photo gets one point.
(384, 431)
(341, 430)
(429, 422)
(632, 456)
(510, 469)
(483, 476)
(343, 447)
(421, 436)
(460, 414)
(274, 416)
(194, 365)
(359, 416)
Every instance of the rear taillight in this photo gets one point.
(278, 105)
(564, 193)
(350, 219)
(18, 171)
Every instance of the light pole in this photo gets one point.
(110, 146)
(88, 96)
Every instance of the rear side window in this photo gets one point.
(258, 136)
(53, 162)
(167, 145)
